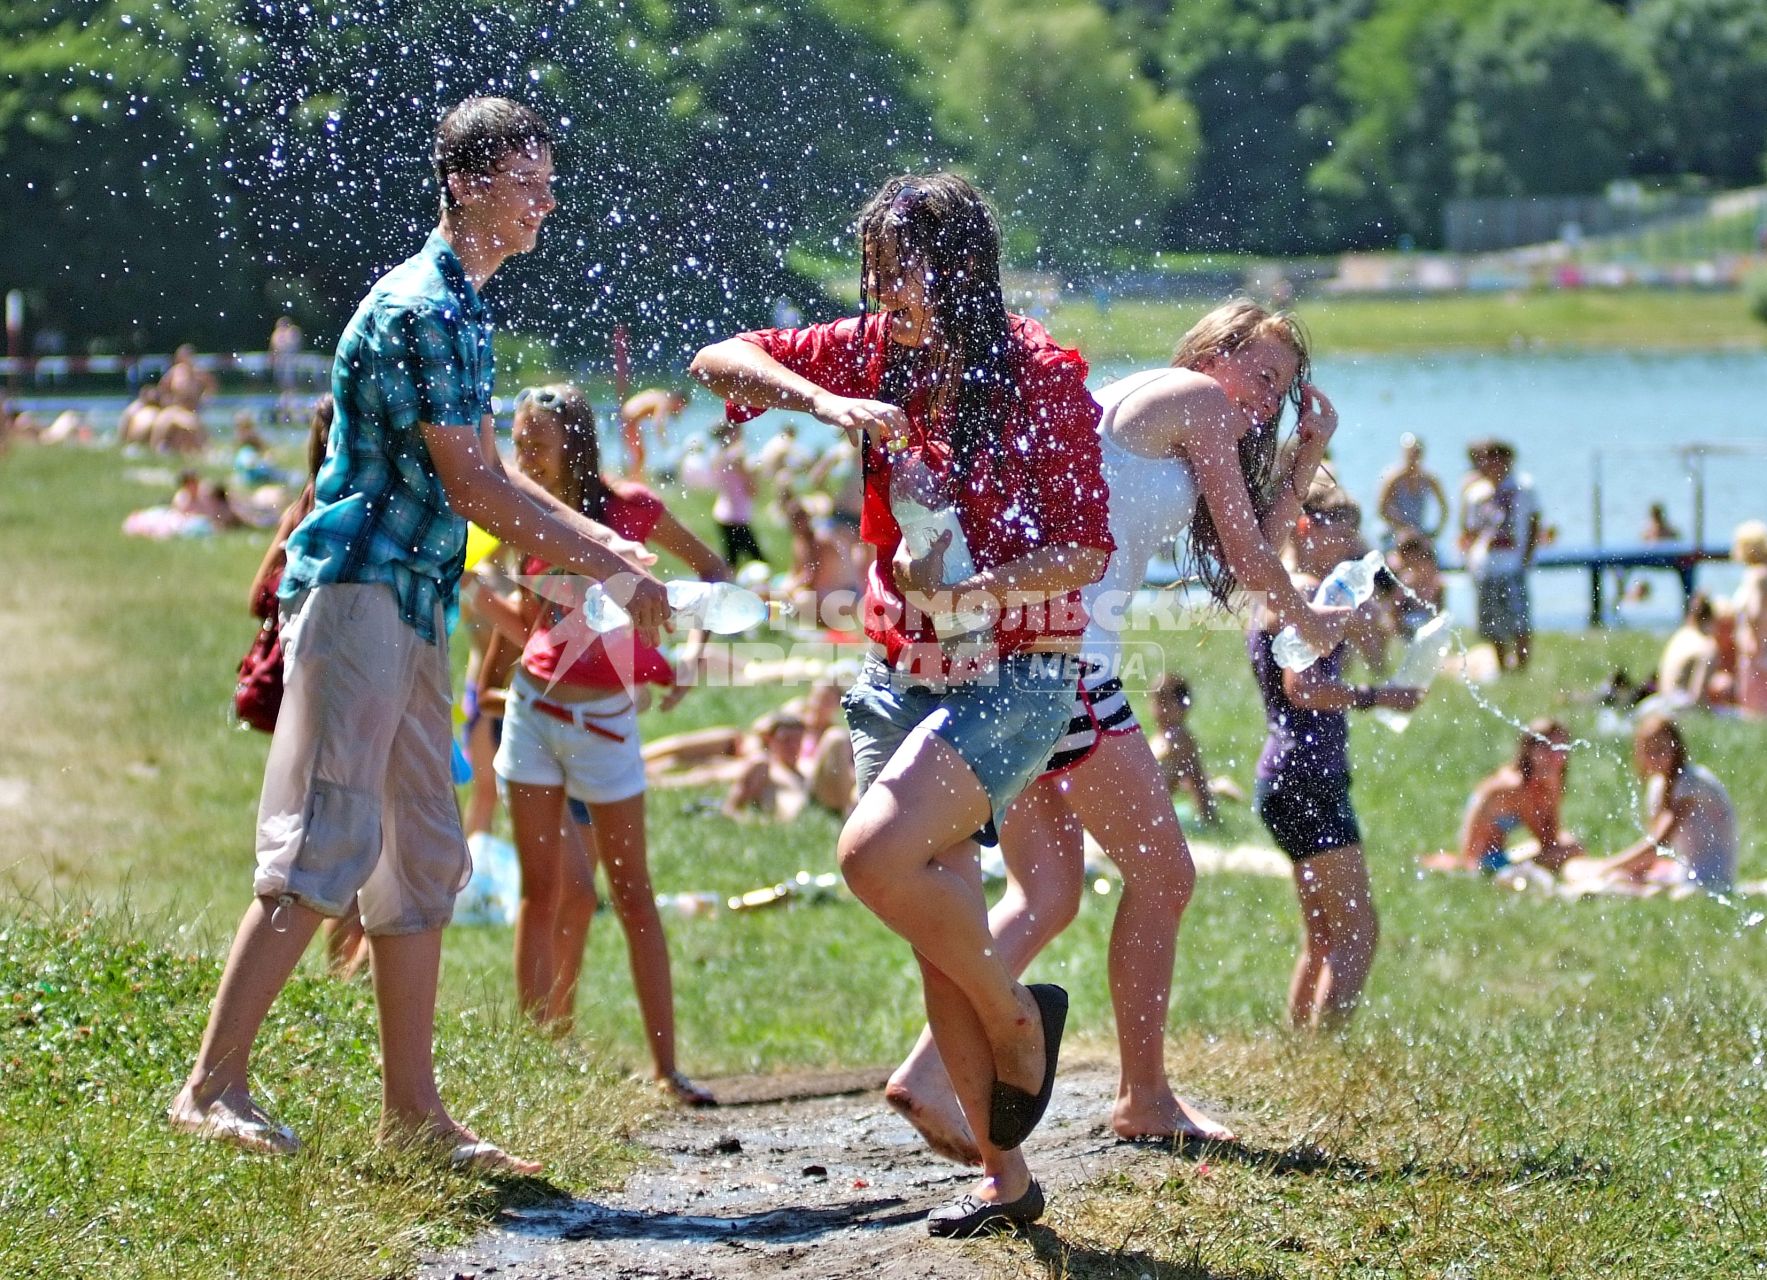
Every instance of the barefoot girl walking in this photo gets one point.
(1204, 427)
(936, 366)
(571, 730)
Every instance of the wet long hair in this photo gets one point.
(940, 225)
(1220, 333)
(581, 486)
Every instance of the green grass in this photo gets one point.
(1634, 319)
(1533, 1087)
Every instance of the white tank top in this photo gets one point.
(1151, 502)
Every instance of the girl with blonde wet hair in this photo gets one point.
(1190, 455)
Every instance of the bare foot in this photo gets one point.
(1448, 862)
(684, 1091)
(234, 1118)
(1167, 1117)
(462, 1148)
(920, 1092)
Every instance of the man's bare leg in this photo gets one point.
(406, 968)
(216, 1098)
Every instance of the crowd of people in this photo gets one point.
(986, 704)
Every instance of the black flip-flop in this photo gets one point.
(969, 1216)
(1012, 1112)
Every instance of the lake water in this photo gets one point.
(1633, 415)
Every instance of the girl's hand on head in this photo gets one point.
(860, 418)
(1319, 419)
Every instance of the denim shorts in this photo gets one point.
(1307, 813)
(1004, 725)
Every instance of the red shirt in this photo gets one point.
(561, 635)
(1049, 492)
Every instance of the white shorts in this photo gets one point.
(597, 759)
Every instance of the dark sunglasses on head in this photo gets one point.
(906, 201)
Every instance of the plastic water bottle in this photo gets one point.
(722, 608)
(921, 501)
(1350, 584)
(1417, 667)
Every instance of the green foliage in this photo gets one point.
(1550, 99)
(1260, 73)
(1713, 58)
(1060, 126)
(1756, 289)
(185, 169)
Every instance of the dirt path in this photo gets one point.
(806, 1176)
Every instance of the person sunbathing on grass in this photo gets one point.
(1691, 838)
(1525, 794)
(776, 782)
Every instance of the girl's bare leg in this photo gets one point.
(1044, 847)
(1005, 1175)
(481, 799)
(576, 910)
(923, 805)
(1342, 931)
(537, 814)
(346, 946)
(1118, 794)
(620, 846)
(406, 968)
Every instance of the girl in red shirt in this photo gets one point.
(571, 733)
(934, 361)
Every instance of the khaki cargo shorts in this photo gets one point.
(358, 797)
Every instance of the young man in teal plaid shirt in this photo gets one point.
(357, 799)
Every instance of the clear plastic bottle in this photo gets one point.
(921, 501)
(1350, 584)
(1417, 667)
(722, 608)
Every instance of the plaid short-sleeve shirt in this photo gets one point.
(417, 350)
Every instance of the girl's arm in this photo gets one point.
(1206, 428)
(1313, 690)
(1045, 572)
(1319, 420)
(512, 617)
(740, 371)
(1636, 859)
(670, 535)
(276, 554)
(1442, 507)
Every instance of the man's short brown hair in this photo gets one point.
(474, 136)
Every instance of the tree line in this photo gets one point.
(183, 169)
